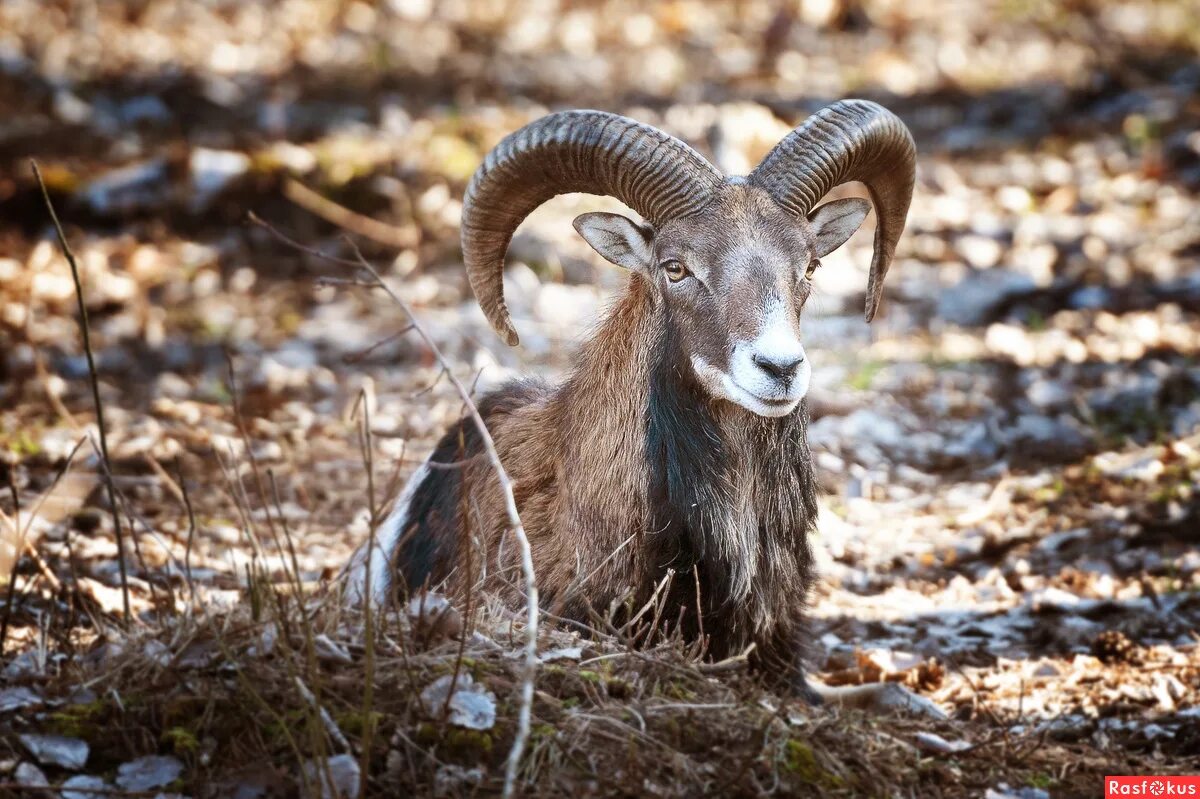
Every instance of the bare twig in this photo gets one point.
(18, 547)
(331, 726)
(91, 362)
(363, 354)
(506, 488)
(368, 703)
(191, 537)
(404, 238)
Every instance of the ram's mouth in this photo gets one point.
(775, 403)
(763, 406)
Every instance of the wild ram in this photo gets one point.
(678, 439)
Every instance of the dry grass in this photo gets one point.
(246, 696)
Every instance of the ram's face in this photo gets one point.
(734, 280)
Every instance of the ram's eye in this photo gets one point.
(675, 271)
(813, 266)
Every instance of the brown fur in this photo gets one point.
(631, 467)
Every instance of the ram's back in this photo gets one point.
(451, 511)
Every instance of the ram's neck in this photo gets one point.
(733, 496)
(601, 412)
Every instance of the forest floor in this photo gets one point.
(1009, 455)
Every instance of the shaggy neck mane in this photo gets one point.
(730, 496)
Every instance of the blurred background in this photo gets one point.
(1009, 453)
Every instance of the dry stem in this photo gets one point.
(531, 624)
(91, 362)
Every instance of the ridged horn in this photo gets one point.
(595, 152)
(848, 140)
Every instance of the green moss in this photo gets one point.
(679, 691)
(589, 676)
(455, 741)
(181, 740)
(276, 730)
(542, 731)
(23, 445)
(468, 743)
(354, 722)
(426, 734)
(800, 761)
(619, 688)
(1043, 781)
(84, 720)
(1051, 492)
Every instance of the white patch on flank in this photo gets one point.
(387, 538)
(746, 383)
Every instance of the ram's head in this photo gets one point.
(731, 259)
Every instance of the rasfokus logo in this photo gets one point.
(1152, 786)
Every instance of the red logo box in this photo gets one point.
(1152, 787)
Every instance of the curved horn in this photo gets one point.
(849, 140)
(595, 152)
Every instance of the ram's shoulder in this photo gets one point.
(515, 395)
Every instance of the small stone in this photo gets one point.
(979, 297)
(82, 786)
(563, 653)
(57, 750)
(128, 188)
(1049, 394)
(932, 742)
(30, 776)
(148, 773)
(18, 698)
(1162, 694)
(1043, 439)
(981, 252)
(1090, 298)
(339, 777)
(212, 171)
(472, 705)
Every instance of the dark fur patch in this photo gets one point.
(428, 549)
(698, 473)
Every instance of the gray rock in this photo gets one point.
(1090, 298)
(977, 298)
(212, 171)
(30, 776)
(472, 705)
(82, 786)
(338, 778)
(973, 445)
(57, 750)
(18, 698)
(148, 773)
(1049, 393)
(1044, 439)
(130, 188)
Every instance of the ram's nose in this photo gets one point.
(779, 367)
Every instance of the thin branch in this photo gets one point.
(403, 238)
(510, 503)
(191, 536)
(91, 362)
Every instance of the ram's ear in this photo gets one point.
(834, 222)
(618, 239)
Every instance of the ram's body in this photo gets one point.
(621, 473)
(677, 442)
